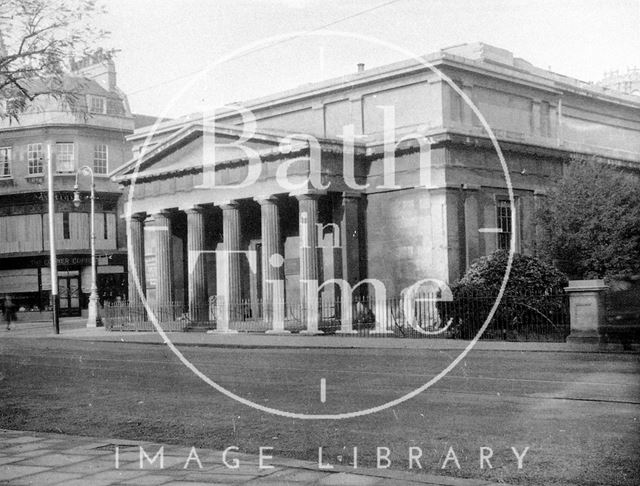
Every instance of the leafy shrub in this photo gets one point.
(530, 297)
(528, 275)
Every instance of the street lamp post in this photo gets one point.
(55, 298)
(93, 316)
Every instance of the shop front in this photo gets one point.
(28, 281)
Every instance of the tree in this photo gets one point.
(38, 38)
(591, 221)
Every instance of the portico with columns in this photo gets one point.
(251, 251)
(257, 280)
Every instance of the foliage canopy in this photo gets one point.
(38, 40)
(591, 221)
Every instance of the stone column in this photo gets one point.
(272, 264)
(308, 219)
(136, 258)
(164, 266)
(197, 280)
(586, 309)
(231, 242)
(349, 257)
(255, 280)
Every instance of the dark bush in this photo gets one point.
(530, 297)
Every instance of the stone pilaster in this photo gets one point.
(527, 221)
(136, 259)
(468, 116)
(164, 266)
(471, 228)
(272, 263)
(309, 274)
(540, 235)
(197, 280)
(350, 238)
(535, 118)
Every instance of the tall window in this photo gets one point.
(35, 158)
(504, 224)
(5, 162)
(66, 234)
(64, 157)
(100, 165)
(97, 104)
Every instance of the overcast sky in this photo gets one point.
(165, 44)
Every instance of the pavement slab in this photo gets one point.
(346, 479)
(47, 477)
(13, 471)
(54, 460)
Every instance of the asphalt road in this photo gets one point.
(577, 412)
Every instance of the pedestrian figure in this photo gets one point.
(9, 311)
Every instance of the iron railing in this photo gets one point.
(519, 317)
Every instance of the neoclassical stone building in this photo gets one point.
(422, 202)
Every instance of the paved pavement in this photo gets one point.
(34, 458)
(74, 328)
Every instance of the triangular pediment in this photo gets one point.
(194, 146)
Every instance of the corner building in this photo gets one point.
(91, 135)
(423, 203)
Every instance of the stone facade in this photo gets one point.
(419, 193)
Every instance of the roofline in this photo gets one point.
(533, 76)
(61, 125)
(536, 77)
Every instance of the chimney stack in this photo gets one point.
(360, 67)
(99, 67)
